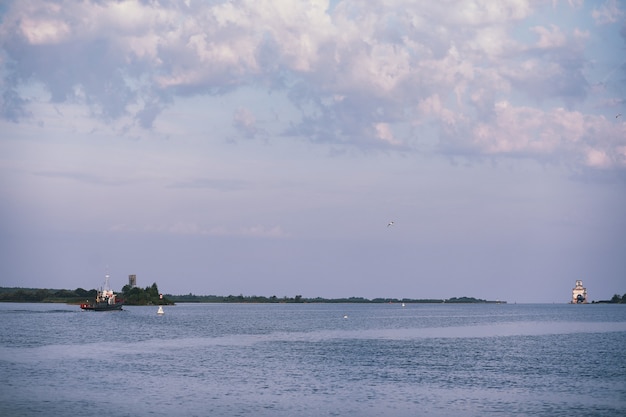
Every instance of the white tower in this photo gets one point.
(579, 293)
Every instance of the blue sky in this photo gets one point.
(261, 147)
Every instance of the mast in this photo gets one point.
(106, 282)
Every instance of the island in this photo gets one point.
(131, 295)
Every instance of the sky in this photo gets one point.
(261, 147)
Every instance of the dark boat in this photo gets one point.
(106, 300)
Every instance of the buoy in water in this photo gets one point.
(160, 311)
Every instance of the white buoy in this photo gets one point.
(160, 311)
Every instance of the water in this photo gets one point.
(308, 360)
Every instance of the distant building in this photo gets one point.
(579, 293)
(132, 281)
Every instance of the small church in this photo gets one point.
(579, 293)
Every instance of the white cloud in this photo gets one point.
(245, 121)
(597, 159)
(608, 12)
(549, 37)
(41, 32)
(195, 229)
(551, 136)
(451, 64)
(384, 133)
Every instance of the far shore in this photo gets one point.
(78, 296)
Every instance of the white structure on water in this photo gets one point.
(579, 293)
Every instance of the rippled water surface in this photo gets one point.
(311, 360)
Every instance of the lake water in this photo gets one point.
(308, 360)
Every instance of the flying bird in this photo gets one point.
(618, 115)
(389, 224)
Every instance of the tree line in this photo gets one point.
(130, 295)
(616, 299)
(192, 298)
(144, 296)
(44, 295)
(151, 296)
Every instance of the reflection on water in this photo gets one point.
(283, 360)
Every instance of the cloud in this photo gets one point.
(354, 73)
(83, 177)
(13, 106)
(608, 12)
(216, 184)
(245, 122)
(187, 228)
(553, 136)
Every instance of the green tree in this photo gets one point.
(153, 290)
(146, 296)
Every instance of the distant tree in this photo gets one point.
(138, 296)
(20, 295)
(41, 295)
(80, 292)
(153, 290)
(64, 294)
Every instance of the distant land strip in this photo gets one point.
(191, 298)
(150, 296)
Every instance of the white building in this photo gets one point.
(579, 293)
